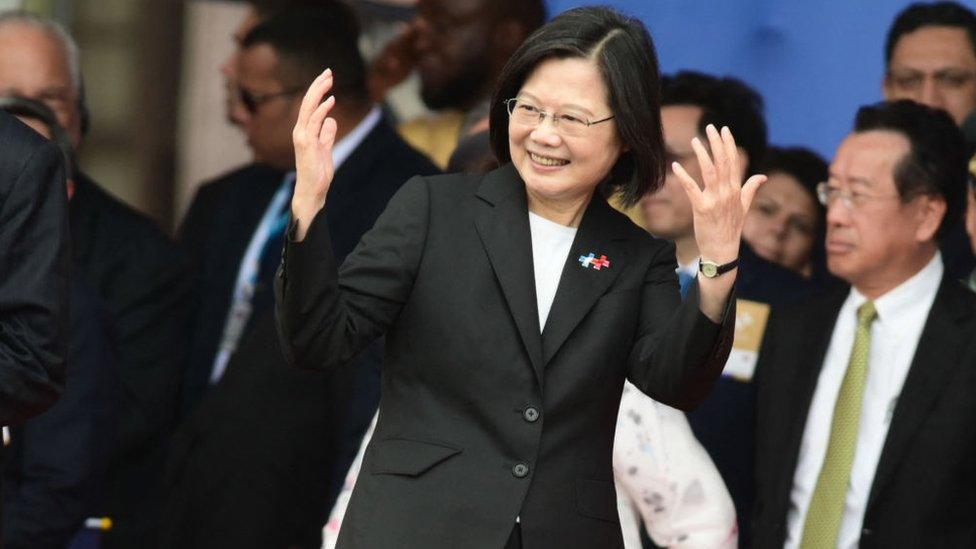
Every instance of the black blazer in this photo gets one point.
(483, 419)
(142, 279)
(924, 491)
(34, 273)
(292, 433)
(55, 467)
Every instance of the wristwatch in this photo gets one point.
(711, 269)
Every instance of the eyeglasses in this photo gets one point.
(852, 200)
(527, 114)
(252, 101)
(911, 81)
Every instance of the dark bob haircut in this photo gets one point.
(624, 52)
(938, 14)
(936, 162)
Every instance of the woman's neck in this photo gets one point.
(567, 212)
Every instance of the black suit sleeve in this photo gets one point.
(58, 458)
(677, 357)
(325, 318)
(33, 286)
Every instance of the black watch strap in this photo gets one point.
(711, 269)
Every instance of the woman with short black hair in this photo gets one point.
(516, 303)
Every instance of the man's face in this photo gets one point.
(934, 66)
(667, 212)
(34, 65)
(235, 111)
(269, 126)
(453, 51)
(875, 239)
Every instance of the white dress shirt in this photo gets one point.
(902, 313)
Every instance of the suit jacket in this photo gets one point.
(34, 259)
(924, 490)
(142, 279)
(483, 419)
(55, 469)
(725, 422)
(291, 433)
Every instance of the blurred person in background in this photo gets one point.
(458, 48)
(34, 286)
(724, 421)
(54, 470)
(786, 223)
(259, 459)
(128, 262)
(865, 411)
(930, 58)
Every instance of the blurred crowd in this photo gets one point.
(181, 425)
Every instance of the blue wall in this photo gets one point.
(814, 61)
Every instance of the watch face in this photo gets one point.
(709, 269)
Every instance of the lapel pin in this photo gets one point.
(587, 261)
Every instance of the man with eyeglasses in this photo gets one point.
(865, 410)
(930, 56)
(261, 452)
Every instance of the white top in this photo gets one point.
(551, 243)
(902, 313)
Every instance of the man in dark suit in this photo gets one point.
(55, 466)
(261, 456)
(724, 422)
(128, 262)
(34, 260)
(865, 412)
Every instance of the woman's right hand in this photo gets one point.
(313, 136)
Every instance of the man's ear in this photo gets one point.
(931, 212)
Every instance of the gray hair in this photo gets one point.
(53, 29)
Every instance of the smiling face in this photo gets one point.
(782, 223)
(557, 168)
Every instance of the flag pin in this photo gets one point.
(598, 263)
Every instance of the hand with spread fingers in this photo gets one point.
(719, 206)
(313, 136)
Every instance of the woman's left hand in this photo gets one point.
(719, 208)
(719, 205)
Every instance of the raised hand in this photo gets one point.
(720, 203)
(313, 137)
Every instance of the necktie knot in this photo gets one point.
(866, 314)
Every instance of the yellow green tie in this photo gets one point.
(826, 509)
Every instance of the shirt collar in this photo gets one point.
(345, 146)
(899, 307)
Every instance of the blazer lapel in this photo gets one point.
(944, 338)
(582, 282)
(502, 221)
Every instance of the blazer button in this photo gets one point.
(530, 414)
(520, 470)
